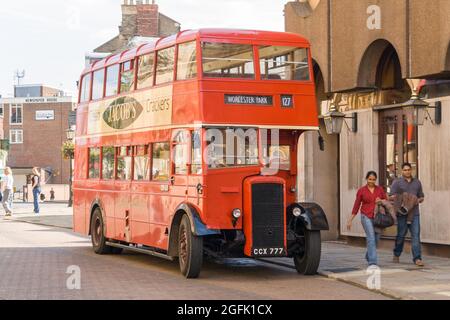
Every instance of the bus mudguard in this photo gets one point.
(198, 227)
(313, 216)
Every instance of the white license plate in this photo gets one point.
(269, 252)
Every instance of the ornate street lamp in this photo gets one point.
(418, 109)
(334, 120)
(70, 139)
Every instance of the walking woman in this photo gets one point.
(36, 180)
(8, 190)
(367, 199)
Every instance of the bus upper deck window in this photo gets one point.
(227, 60)
(85, 88)
(165, 65)
(112, 80)
(127, 76)
(145, 71)
(97, 84)
(187, 61)
(284, 63)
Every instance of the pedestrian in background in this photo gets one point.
(52, 195)
(36, 186)
(367, 199)
(8, 190)
(408, 184)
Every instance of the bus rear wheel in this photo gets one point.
(307, 262)
(190, 250)
(97, 232)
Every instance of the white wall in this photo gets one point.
(434, 172)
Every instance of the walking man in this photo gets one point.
(36, 180)
(408, 184)
(8, 189)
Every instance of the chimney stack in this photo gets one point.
(139, 18)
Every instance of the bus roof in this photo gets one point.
(189, 35)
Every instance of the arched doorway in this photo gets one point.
(381, 70)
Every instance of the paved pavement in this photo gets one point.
(339, 262)
(35, 259)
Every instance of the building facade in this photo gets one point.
(364, 52)
(35, 125)
(140, 19)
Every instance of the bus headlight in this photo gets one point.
(237, 213)
(297, 212)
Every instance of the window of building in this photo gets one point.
(85, 88)
(187, 61)
(16, 136)
(98, 84)
(226, 60)
(145, 71)
(108, 156)
(161, 162)
(16, 114)
(94, 163)
(2, 112)
(141, 163)
(181, 152)
(196, 167)
(112, 80)
(165, 65)
(127, 77)
(284, 63)
(124, 163)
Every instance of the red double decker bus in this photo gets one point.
(188, 147)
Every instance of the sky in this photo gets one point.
(49, 38)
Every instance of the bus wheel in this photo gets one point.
(190, 249)
(307, 262)
(98, 237)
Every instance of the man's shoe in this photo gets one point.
(420, 263)
(396, 259)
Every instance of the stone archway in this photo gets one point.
(380, 67)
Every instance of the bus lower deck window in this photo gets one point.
(108, 155)
(94, 163)
(161, 162)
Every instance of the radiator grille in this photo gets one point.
(268, 216)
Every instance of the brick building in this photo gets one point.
(366, 55)
(141, 21)
(35, 123)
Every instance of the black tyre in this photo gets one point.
(307, 262)
(98, 233)
(190, 250)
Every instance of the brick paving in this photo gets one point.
(34, 260)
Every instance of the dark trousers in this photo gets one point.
(414, 229)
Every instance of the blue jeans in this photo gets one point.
(414, 229)
(36, 194)
(373, 239)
